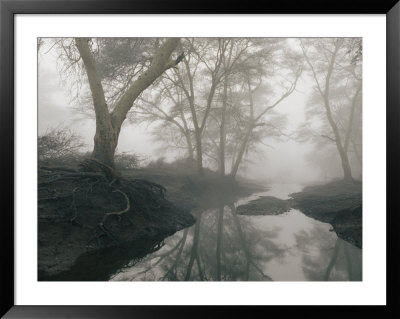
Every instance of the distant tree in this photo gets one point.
(203, 69)
(336, 99)
(262, 94)
(203, 106)
(167, 106)
(186, 96)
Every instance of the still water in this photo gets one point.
(223, 245)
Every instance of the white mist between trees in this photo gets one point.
(248, 74)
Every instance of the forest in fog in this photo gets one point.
(228, 104)
(200, 159)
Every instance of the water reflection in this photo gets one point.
(335, 260)
(217, 247)
(225, 246)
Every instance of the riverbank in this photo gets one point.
(338, 203)
(90, 219)
(265, 205)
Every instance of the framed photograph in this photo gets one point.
(162, 155)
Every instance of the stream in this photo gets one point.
(225, 246)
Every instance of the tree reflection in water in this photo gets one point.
(220, 246)
(334, 260)
(223, 246)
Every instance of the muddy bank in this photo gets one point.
(265, 205)
(338, 203)
(348, 225)
(82, 213)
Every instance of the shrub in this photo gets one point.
(126, 160)
(59, 145)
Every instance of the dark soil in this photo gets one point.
(348, 225)
(338, 203)
(80, 213)
(266, 205)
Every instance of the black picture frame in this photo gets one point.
(9, 8)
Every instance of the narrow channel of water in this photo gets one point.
(223, 245)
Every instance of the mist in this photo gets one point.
(200, 158)
(273, 159)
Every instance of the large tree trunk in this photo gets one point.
(357, 153)
(199, 154)
(345, 163)
(105, 144)
(189, 145)
(342, 152)
(222, 130)
(242, 148)
(105, 139)
(222, 133)
(341, 147)
(349, 132)
(108, 125)
(241, 152)
(199, 127)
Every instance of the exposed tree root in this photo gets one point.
(94, 165)
(92, 190)
(57, 168)
(71, 176)
(128, 206)
(81, 212)
(73, 205)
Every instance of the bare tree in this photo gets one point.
(288, 69)
(108, 124)
(167, 105)
(114, 78)
(337, 89)
(199, 99)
